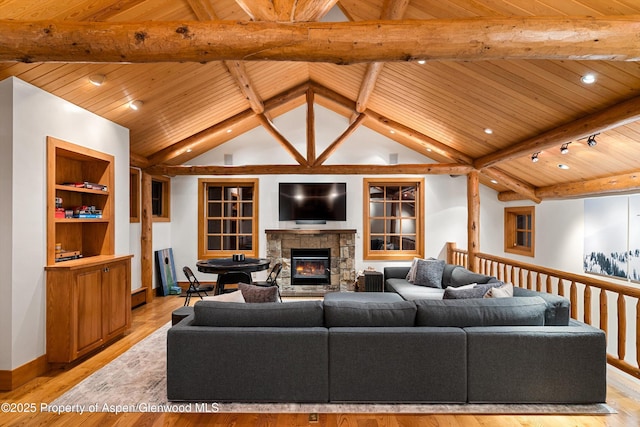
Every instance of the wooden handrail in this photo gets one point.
(545, 279)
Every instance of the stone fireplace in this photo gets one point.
(302, 248)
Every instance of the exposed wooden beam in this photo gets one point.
(424, 140)
(339, 140)
(391, 9)
(281, 139)
(410, 169)
(204, 11)
(286, 96)
(596, 187)
(137, 160)
(108, 11)
(239, 73)
(618, 115)
(204, 140)
(259, 10)
(368, 84)
(523, 189)
(612, 38)
(311, 128)
(333, 96)
(312, 10)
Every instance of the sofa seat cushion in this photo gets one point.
(369, 314)
(481, 312)
(411, 292)
(302, 314)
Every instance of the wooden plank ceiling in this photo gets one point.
(439, 108)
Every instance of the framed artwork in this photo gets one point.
(166, 271)
(612, 236)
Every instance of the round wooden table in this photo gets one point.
(227, 265)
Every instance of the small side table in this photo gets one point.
(180, 313)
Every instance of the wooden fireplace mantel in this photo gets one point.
(311, 231)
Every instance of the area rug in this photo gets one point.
(136, 382)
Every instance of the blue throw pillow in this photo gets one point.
(429, 272)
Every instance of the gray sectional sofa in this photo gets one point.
(359, 348)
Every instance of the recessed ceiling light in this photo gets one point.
(493, 181)
(562, 166)
(97, 79)
(189, 150)
(229, 130)
(135, 105)
(588, 79)
(422, 62)
(392, 131)
(429, 149)
(488, 131)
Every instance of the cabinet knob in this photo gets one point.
(105, 270)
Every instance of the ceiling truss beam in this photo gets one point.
(612, 38)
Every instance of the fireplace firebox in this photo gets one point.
(310, 266)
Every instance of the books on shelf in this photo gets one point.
(67, 255)
(88, 185)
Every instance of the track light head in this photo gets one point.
(565, 148)
(591, 141)
(534, 157)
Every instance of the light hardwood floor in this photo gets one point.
(149, 317)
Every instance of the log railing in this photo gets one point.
(610, 307)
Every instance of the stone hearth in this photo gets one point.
(342, 265)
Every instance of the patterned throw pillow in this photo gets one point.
(429, 272)
(253, 293)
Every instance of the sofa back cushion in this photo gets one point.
(301, 314)
(481, 312)
(460, 276)
(558, 311)
(369, 314)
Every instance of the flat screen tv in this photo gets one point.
(312, 201)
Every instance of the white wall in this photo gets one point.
(36, 115)
(6, 218)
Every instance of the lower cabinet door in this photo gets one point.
(88, 306)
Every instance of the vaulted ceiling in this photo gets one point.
(432, 75)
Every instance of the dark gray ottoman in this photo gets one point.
(363, 296)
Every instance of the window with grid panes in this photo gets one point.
(519, 230)
(393, 219)
(228, 219)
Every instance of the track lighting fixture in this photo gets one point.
(534, 157)
(591, 141)
(565, 148)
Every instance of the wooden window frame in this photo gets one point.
(203, 252)
(165, 216)
(391, 254)
(511, 231)
(134, 195)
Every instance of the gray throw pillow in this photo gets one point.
(429, 272)
(253, 293)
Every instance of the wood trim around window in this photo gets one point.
(393, 254)
(203, 252)
(520, 240)
(134, 195)
(165, 198)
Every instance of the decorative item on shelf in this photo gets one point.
(59, 213)
(68, 213)
(87, 185)
(58, 202)
(58, 248)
